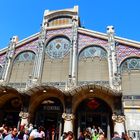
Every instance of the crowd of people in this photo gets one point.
(34, 133)
(92, 134)
(31, 133)
(96, 133)
(24, 133)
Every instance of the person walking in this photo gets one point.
(69, 136)
(81, 136)
(13, 135)
(116, 136)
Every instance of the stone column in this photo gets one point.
(108, 132)
(38, 64)
(114, 76)
(68, 122)
(75, 49)
(119, 123)
(8, 60)
(24, 118)
(60, 130)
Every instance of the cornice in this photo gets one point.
(88, 32)
(70, 11)
(120, 40)
(92, 33)
(22, 42)
(28, 39)
(58, 27)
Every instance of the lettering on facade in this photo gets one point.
(56, 108)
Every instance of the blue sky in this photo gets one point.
(23, 17)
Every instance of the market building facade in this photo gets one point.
(70, 78)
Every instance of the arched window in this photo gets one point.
(93, 64)
(60, 21)
(22, 67)
(93, 51)
(25, 56)
(131, 64)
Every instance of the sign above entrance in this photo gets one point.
(93, 104)
(52, 108)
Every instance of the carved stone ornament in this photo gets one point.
(118, 118)
(24, 115)
(116, 80)
(68, 117)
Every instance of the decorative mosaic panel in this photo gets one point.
(29, 46)
(2, 59)
(85, 40)
(58, 47)
(124, 52)
(67, 32)
(131, 64)
(93, 51)
(25, 56)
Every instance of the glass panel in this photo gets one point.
(58, 47)
(131, 64)
(60, 21)
(25, 56)
(92, 52)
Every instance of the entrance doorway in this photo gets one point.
(94, 112)
(9, 114)
(49, 115)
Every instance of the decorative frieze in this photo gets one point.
(23, 115)
(114, 76)
(64, 31)
(28, 46)
(85, 40)
(124, 52)
(68, 117)
(118, 118)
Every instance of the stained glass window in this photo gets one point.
(60, 21)
(93, 51)
(131, 64)
(58, 47)
(25, 56)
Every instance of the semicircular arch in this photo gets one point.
(57, 46)
(90, 91)
(90, 46)
(56, 36)
(88, 64)
(130, 75)
(23, 51)
(128, 59)
(22, 66)
(58, 13)
(8, 93)
(41, 93)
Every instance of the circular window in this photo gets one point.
(58, 47)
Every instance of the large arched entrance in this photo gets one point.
(10, 106)
(93, 112)
(94, 105)
(10, 112)
(49, 115)
(46, 108)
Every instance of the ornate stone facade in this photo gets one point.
(85, 68)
